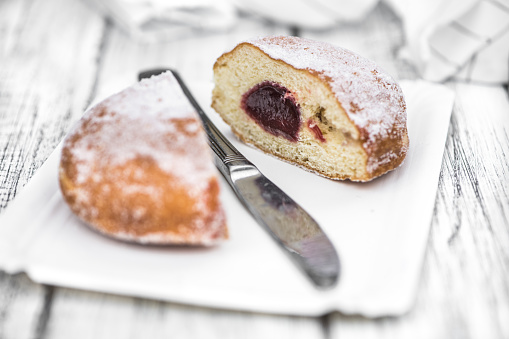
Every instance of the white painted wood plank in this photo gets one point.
(470, 242)
(47, 62)
(45, 82)
(21, 304)
(79, 314)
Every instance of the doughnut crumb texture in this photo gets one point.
(137, 167)
(349, 120)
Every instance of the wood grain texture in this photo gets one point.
(45, 82)
(57, 55)
(470, 241)
(111, 316)
(21, 306)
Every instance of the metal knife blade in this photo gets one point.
(292, 227)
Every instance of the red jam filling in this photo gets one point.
(273, 107)
(316, 130)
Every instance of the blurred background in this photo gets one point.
(460, 40)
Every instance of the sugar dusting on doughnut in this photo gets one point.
(138, 167)
(143, 113)
(371, 98)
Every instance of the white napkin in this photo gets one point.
(379, 228)
(165, 20)
(465, 40)
(162, 19)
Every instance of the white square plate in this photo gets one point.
(380, 230)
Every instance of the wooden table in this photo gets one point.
(57, 55)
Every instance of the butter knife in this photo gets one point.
(291, 227)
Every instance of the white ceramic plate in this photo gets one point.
(379, 228)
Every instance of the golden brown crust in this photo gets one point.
(175, 217)
(133, 196)
(383, 151)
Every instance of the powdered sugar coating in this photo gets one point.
(371, 98)
(137, 167)
(142, 116)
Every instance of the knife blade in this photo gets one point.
(290, 225)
